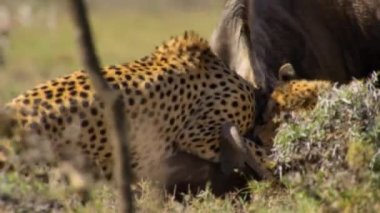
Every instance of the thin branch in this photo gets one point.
(113, 103)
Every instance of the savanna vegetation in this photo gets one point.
(328, 160)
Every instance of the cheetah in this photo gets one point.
(176, 99)
(293, 94)
(289, 95)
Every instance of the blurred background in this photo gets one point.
(37, 39)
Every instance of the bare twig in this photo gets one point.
(113, 103)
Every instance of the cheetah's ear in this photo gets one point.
(286, 72)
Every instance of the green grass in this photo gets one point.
(37, 53)
(330, 155)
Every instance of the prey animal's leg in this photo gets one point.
(187, 172)
(237, 152)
